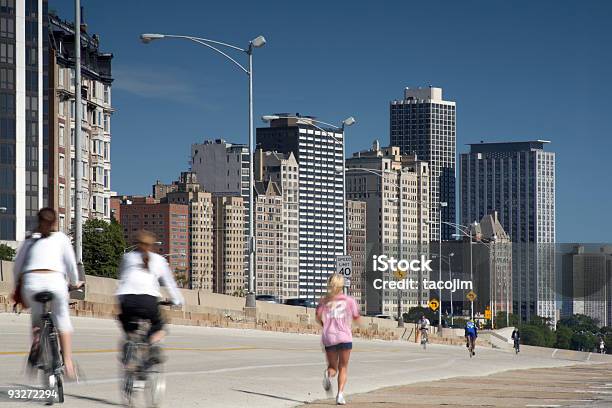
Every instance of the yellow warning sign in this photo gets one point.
(487, 313)
(471, 296)
(434, 304)
(399, 274)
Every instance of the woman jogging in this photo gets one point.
(46, 263)
(336, 313)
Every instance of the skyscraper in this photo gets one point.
(424, 124)
(282, 169)
(222, 168)
(517, 179)
(395, 189)
(95, 126)
(22, 131)
(319, 153)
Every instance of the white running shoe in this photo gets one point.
(340, 399)
(326, 380)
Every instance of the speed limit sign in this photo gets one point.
(344, 265)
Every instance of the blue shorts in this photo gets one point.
(339, 346)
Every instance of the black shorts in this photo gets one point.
(135, 307)
(339, 346)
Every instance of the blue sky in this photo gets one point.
(518, 70)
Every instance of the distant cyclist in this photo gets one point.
(602, 345)
(139, 275)
(516, 336)
(46, 262)
(471, 333)
(423, 325)
(336, 313)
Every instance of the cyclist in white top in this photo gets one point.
(139, 274)
(45, 262)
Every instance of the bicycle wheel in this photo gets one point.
(156, 387)
(127, 384)
(57, 363)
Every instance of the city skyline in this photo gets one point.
(191, 87)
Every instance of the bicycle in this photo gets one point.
(517, 346)
(424, 338)
(45, 355)
(138, 372)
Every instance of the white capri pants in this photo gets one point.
(54, 282)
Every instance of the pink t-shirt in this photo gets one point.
(337, 315)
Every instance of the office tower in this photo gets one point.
(169, 223)
(319, 153)
(491, 266)
(424, 124)
(187, 191)
(269, 278)
(589, 276)
(356, 248)
(517, 179)
(397, 223)
(283, 170)
(23, 135)
(228, 245)
(95, 127)
(222, 168)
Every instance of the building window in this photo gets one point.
(106, 94)
(107, 123)
(61, 135)
(62, 196)
(62, 164)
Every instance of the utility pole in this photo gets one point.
(78, 142)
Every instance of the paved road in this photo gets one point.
(584, 385)
(211, 367)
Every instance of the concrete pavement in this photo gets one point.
(584, 385)
(212, 367)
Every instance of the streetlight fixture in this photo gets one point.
(3, 210)
(256, 42)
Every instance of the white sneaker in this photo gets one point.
(340, 399)
(326, 380)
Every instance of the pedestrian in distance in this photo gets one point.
(602, 345)
(336, 313)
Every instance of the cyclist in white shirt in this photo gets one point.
(45, 262)
(139, 274)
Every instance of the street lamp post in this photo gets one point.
(442, 205)
(78, 142)
(257, 42)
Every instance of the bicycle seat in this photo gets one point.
(43, 297)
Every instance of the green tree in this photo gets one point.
(415, 313)
(500, 320)
(103, 247)
(564, 337)
(6, 253)
(580, 322)
(583, 341)
(532, 335)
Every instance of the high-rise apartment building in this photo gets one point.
(188, 192)
(269, 278)
(395, 189)
(95, 127)
(228, 245)
(588, 283)
(283, 170)
(491, 265)
(168, 221)
(356, 248)
(423, 123)
(23, 134)
(319, 154)
(222, 168)
(517, 179)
